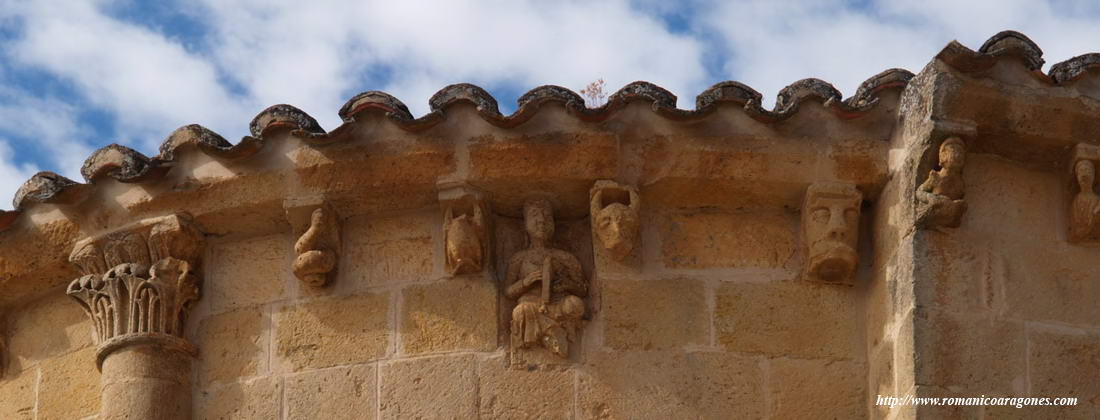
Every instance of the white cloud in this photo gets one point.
(12, 173)
(771, 44)
(312, 56)
(148, 83)
(315, 55)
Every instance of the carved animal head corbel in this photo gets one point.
(615, 219)
(465, 230)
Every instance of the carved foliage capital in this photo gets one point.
(140, 281)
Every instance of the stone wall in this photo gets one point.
(924, 237)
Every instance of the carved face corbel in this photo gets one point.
(614, 211)
(465, 230)
(830, 232)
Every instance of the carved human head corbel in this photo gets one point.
(830, 232)
(614, 211)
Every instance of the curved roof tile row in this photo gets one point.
(127, 165)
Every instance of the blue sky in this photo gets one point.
(76, 75)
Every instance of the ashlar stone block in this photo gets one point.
(335, 331)
(795, 319)
(342, 393)
(456, 314)
(429, 387)
(655, 314)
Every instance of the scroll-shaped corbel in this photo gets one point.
(318, 246)
(614, 211)
(465, 231)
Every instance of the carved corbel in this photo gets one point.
(1084, 207)
(830, 232)
(465, 230)
(318, 246)
(139, 283)
(940, 200)
(615, 219)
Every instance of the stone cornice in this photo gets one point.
(129, 166)
(382, 159)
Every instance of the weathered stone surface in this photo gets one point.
(69, 386)
(1066, 364)
(655, 314)
(257, 399)
(334, 331)
(670, 385)
(993, 182)
(389, 250)
(969, 354)
(880, 375)
(713, 240)
(505, 392)
(18, 395)
(558, 155)
(940, 411)
(337, 393)
(1052, 285)
(802, 389)
(456, 314)
(799, 319)
(51, 326)
(247, 273)
(429, 387)
(955, 275)
(234, 345)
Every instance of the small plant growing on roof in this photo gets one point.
(594, 96)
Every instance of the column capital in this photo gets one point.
(139, 283)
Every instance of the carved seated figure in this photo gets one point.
(941, 194)
(548, 284)
(1085, 209)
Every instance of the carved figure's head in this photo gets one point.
(538, 218)
(1085, 171)
(616, 224)
(830, 231)
(952, 153)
